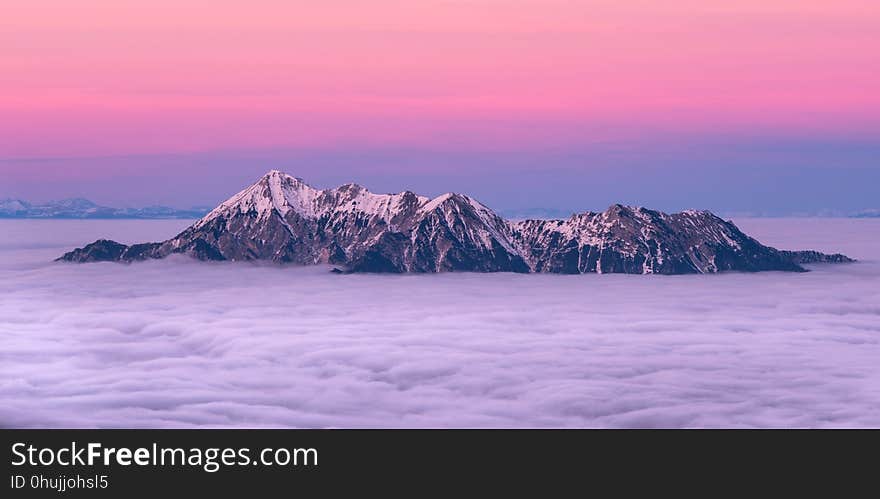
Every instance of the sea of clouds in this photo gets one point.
(179, 343)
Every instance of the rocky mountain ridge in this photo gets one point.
(281, 218)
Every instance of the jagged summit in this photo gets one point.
(281, 218)
(274, 192)
(277, 192)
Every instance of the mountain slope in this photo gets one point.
(640, 241)
(283, 219)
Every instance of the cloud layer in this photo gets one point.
(179, 343)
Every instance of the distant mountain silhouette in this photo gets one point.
(83, 208)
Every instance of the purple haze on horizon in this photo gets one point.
(733, 175)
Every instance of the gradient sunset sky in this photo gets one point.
(753, 105)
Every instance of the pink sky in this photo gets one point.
(101, 77)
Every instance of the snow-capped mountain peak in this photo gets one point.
(282, 194)
(275, 192)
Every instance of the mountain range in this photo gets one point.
(872, 213)
(83, 208)
(280, 218)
